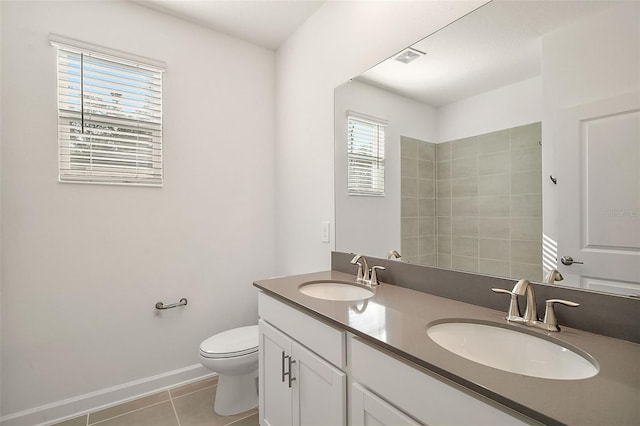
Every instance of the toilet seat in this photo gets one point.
(231, 343)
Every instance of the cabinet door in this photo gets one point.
(369, 410)
(319, 390)
(275, 394)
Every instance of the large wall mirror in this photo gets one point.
(511, 147)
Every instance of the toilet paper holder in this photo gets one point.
(161, 305)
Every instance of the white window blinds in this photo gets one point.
(109, 118)
(365, 154)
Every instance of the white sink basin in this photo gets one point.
(335, 290)
(513, 351)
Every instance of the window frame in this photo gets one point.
(368, 149)
(110, 115)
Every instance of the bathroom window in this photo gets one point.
(109, 116)
(365, 154)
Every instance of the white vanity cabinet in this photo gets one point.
(298, 386)
(400, 394)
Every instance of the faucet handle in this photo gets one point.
(514, 309)
(374, 274)
(550, 321)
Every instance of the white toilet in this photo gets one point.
(233, 354)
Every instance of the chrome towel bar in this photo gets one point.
(161, 305)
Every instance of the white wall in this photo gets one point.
(509, 106)
(339, 41)
(84, 265)
(371, 225)
(595, 58)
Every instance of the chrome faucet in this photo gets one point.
(522, 288)
(363, 268)
(393, 254)
(553, 276)
(530, 318)
(365, 275)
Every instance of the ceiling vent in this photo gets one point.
(408, 55)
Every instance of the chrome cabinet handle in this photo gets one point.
(283, 373)
(568, 260)
(291, 379)
(161, 305)
(287, 373)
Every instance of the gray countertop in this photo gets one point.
(396, 319)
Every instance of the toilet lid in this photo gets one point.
(235, 342)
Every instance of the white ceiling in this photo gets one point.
(267, 23)
(496, 45)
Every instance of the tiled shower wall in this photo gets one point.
(418, 221)
(488, 203)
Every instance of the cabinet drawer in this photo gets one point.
(425, 397)
(321, 338)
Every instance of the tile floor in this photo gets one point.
(188, 405)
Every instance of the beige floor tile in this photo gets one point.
(196, 409)
(252, 420)
(78, 421)
(193, 387)
(127, 407)
(157, 415)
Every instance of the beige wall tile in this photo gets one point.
(495, 163)
(409, 187)
(444, 244)
(527, 135)
(464, 206)
(444, 260)
(426, 188)
(532, 272)
(526, 205)
(494, 248)
(464, 187)
(493, 206)
(526, 228)
(427, 225)
(409, 247)
(409, 207)
(493, 142)
(426, 207)
(443, 151)
(443, 169)
(444, 188)
(464, 167)
(426, 169)
(443, 207)
(494, 227)
(408, 167)
(499, 268)
(427, 151)
(494, 184)
(463, 148)
(426, 245)
(461, 263)
(526, 159)
(526, 251)
(526, 182)
(464, 246)
(409, 226)
(464, 226)
(428, 260)
(408, 147)
(444, 226)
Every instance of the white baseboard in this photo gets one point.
(93, 401)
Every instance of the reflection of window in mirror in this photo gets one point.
(365, 154)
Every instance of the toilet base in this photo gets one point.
(236, 394)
